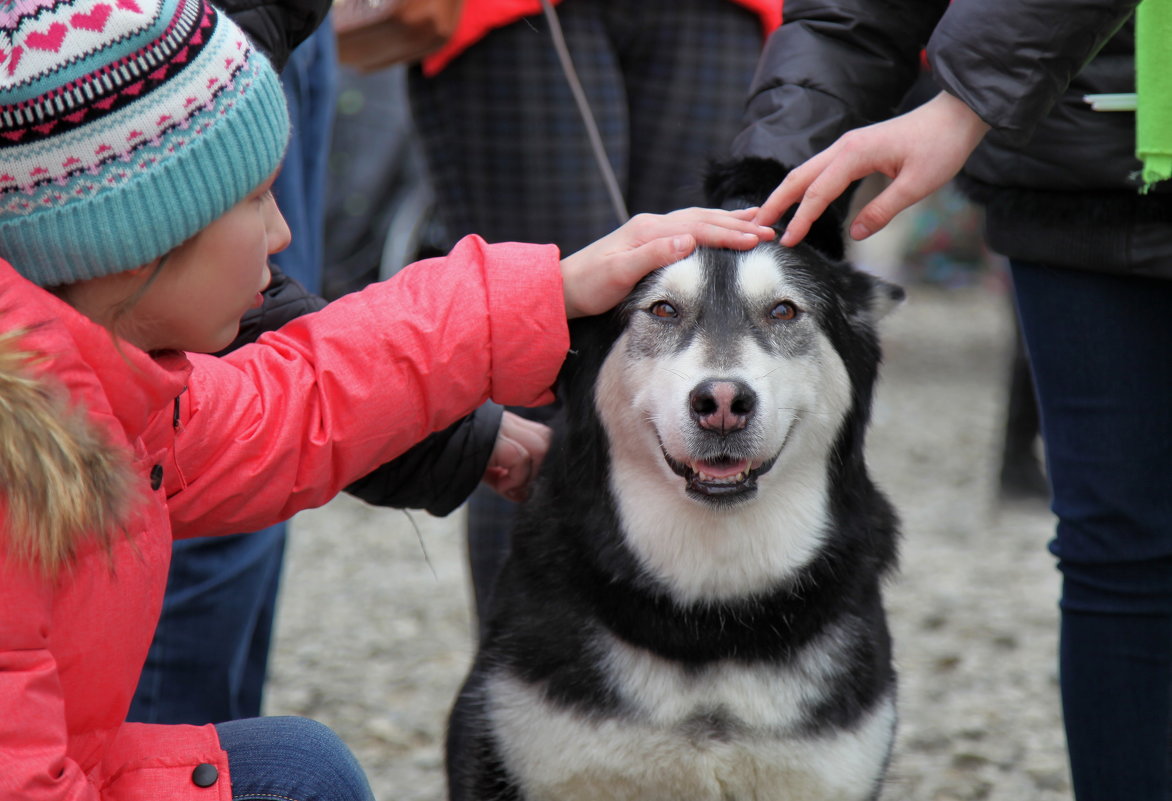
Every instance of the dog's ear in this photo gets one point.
(740, 183)
(873, 298)
(885, 296)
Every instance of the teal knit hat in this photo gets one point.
(126, 126)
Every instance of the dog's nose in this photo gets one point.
(722, 406)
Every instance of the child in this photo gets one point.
(138, 140)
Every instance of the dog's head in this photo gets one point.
(726, 367)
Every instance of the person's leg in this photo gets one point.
(290, 759)
(1101, 349)
(1021, 475)
(687, 66)
(506, 147)
(509, 159)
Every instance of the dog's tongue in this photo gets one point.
(721, 469)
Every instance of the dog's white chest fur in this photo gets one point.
(727, 733)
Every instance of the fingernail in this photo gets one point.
(679, 243)
(860, 231)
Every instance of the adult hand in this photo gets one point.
(520, 447)
(601, 274)
(921, 151)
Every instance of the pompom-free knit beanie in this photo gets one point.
(126, 126)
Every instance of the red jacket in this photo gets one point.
(273, 428)
(481, 16)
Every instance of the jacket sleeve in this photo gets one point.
(276, 26)
(436, 475)
(831, 67)
(1010, 60)
(286, 423)
(439, 473)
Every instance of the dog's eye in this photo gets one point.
(664, 309)
(784, 311)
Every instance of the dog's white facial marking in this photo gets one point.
(713, 550)
(654, 754)
(757, 275)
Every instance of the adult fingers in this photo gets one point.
(787, 193)
(833, 174)
(874, 216)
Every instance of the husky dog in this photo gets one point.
(692, 607)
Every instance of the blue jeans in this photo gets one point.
(209, 657)
(290, 759)
(1100, 346)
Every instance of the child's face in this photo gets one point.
(208, 283)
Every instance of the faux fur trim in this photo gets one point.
(62, 482)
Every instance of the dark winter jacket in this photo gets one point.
(440, 472)
(1058, 179)
(276, 26)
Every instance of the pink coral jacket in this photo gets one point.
(274, 428)
(478, 17)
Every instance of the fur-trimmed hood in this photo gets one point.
(63, 480)
(65, 425)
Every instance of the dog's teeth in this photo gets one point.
(709, 479)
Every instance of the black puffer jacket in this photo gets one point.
(440, 472)
(1058, 179)
(276, 26)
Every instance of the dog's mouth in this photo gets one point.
(720, 479)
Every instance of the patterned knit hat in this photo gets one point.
(126, 126)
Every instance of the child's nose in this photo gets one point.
(279, 235)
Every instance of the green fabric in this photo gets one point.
(1153, 84)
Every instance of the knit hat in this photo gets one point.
(126, 126)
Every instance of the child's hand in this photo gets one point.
(601, 274)
(520, 447)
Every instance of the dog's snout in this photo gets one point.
(722, 406)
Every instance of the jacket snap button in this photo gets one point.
(156, 476)
(204, 775)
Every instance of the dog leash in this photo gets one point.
(596, 146)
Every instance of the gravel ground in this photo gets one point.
(373, 632)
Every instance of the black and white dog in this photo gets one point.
(692, 607)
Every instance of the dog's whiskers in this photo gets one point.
(673, 371)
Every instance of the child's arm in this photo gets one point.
(285, 424)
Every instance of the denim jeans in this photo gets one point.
(209, 657)
(290, 759)
(1100, 346)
